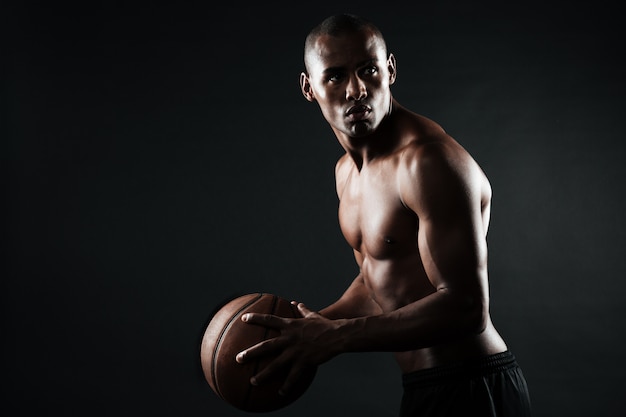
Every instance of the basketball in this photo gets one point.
(226, 335)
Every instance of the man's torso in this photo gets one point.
(383, 231)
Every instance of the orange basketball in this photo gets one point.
(226, 335)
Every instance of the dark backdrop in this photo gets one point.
(160, 158)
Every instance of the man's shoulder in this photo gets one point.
(434, 157)
(342, 171)
(433, 148)
(422, 137)
(343, 164)
(420, 127)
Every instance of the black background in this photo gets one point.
(160, 158)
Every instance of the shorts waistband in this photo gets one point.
(464, 369)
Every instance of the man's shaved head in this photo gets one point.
(337, 25)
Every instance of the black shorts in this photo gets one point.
(492, 386)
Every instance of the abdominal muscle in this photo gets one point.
(395, 283)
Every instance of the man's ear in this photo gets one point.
(305, 86)
(391, 67)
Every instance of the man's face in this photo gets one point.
(349, 77)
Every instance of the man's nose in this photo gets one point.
(355, 90)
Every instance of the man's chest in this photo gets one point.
(374, 219)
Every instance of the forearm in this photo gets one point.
(439, 318)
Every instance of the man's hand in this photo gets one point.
(303, 343)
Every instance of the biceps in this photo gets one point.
(454, 251)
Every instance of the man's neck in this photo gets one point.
(383, 141)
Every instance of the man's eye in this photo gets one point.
(370, 70)
(334, 78)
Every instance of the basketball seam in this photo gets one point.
(218, 344)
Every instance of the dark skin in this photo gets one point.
(414, 206)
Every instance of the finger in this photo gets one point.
(269, 371)
(296, 304)
(267, 320)
(261, 349)
(292, 377)
(304, 310)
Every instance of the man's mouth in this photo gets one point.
(358, 112)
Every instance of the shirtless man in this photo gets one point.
(414, 206)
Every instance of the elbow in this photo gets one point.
(476, 314)
(472, 312)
